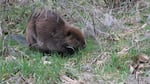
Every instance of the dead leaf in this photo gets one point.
(66, 80)
(139, 73)
(11, 23)
(47, 62)
(31, 80)
(134, 67)
(10, 58)
(131, 68)
(143, 58)
(141, 66)
(124, 51)
(99, 62)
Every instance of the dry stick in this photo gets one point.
(138, 29)
(93, 20)
(5, 49)
(96, 59)
(1, 29)
(1, 37)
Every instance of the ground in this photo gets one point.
(117, 51)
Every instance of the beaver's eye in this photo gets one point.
(69, 33)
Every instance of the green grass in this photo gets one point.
(30, 63)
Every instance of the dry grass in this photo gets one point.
(121, 33)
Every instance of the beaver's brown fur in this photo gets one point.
(47, 31)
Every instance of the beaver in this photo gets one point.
(47, 32)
